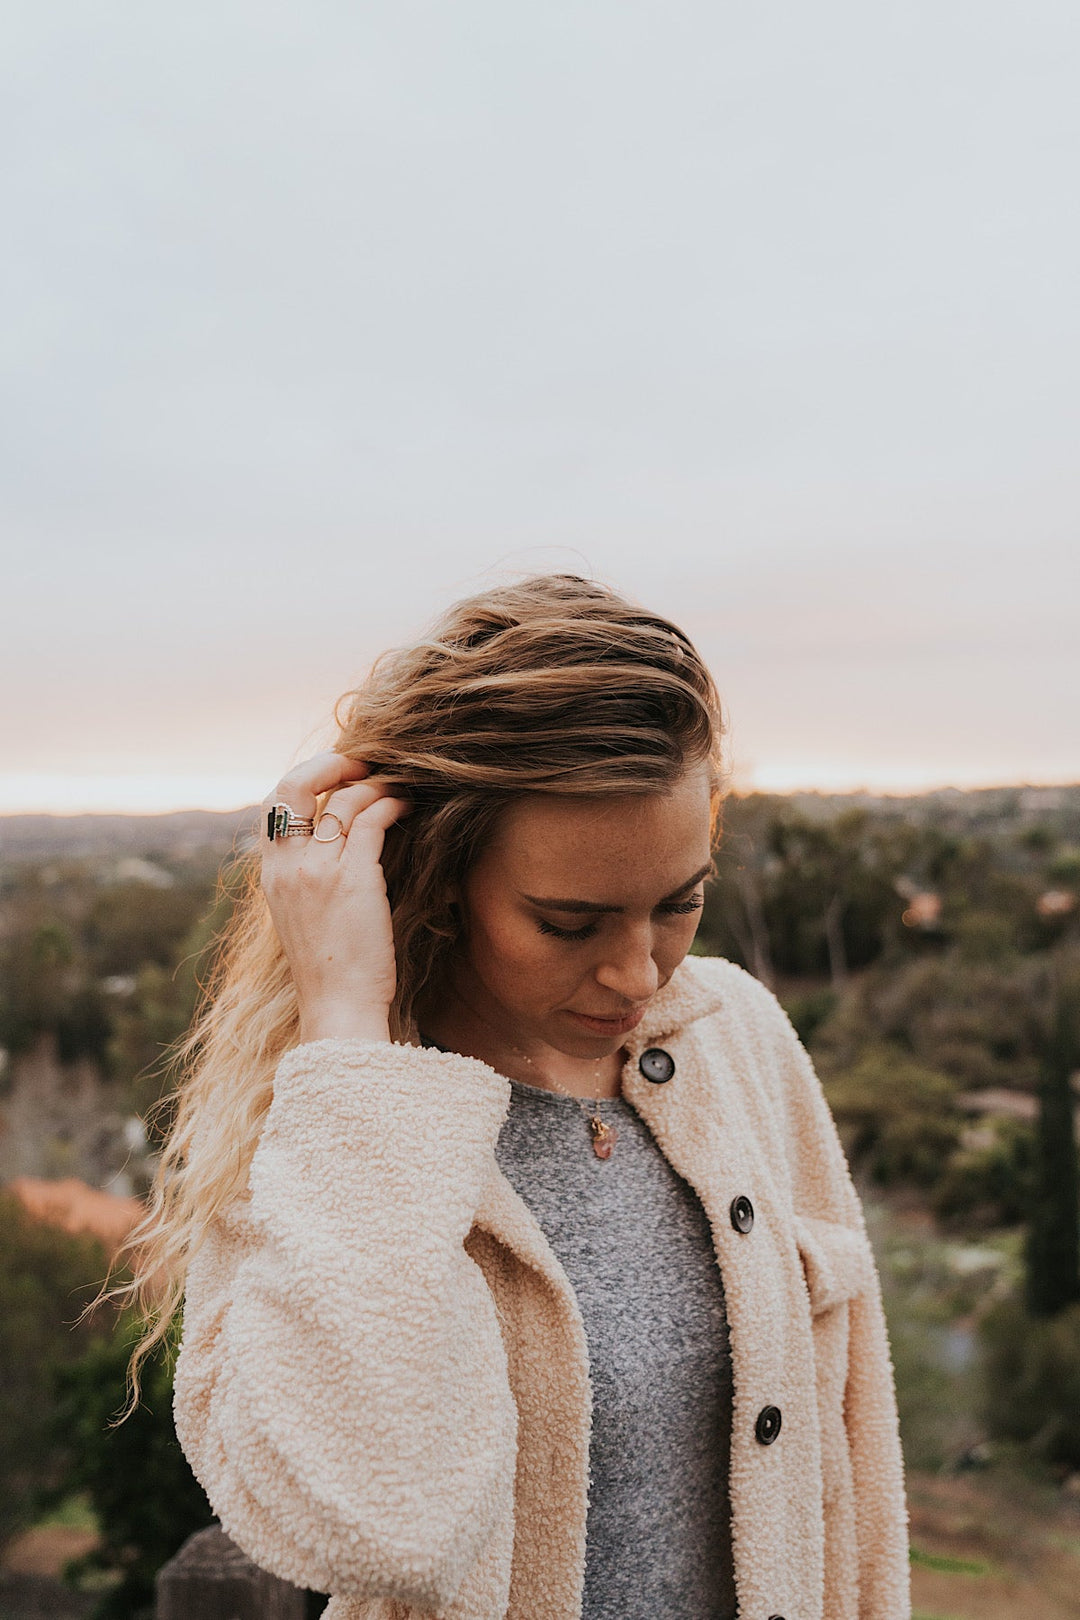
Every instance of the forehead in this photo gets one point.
(601, 848)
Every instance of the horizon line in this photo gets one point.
(767, 782)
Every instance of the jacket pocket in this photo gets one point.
(837, 1261)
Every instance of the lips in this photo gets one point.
(607, 1025)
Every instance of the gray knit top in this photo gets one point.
(634, 1242)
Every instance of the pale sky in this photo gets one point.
(321, 315)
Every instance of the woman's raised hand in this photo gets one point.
(328, 900)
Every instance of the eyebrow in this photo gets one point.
(594, 908)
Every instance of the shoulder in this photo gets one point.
(741, 1023)
(748, 1033)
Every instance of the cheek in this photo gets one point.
(519, 962)
(671, 940)
(511, 940)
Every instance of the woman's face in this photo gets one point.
(580, 909)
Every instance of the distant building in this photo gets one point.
(1056, 903)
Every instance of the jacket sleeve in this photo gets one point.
(839, 1266)
(341, 1389)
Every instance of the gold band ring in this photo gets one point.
(329, 815)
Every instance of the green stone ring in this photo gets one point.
(283, 822)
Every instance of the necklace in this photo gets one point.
(604, 1136)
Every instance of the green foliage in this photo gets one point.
(83, 1027)
(1053, 1246)
(159, 1010)
(809, 1011)
(38, 976)
(135, 1476)
(950, 1566)
(992, 1184)
(129, 924)
(928, 1303)
(801, 894)
(46, 1277)
(1032, 1380)
(1040, 840)
(1065, 868)
(980, 1023)
(984, 935)
(110, 970)
(898, 1117)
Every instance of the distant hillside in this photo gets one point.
(967, 810)
(185, 832)
(179, 834)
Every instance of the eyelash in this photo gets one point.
(680, 908)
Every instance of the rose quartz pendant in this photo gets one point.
(603, 1139)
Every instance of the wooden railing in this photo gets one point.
(211, 1579)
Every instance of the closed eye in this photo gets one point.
(672, 908)
(566, 933)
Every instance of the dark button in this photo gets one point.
(767, 1426)
(656, 1065)
(742, 1213)
(776, 1617)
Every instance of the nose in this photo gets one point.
(628, 969)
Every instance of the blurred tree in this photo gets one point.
(1052, 1253)
(39, 974)
(990, 1185)
(131, 924)
(1065, 868)
(1037, 839)
(978, 1022)
(819, 864)
(84, 1026)
(1031, 1372)
(138, 1481)
(46, 1277)
(733, 919)
(147, 1023)
(897, 1117)
(809, 1010)
(802, 895)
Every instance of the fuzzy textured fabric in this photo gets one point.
(383, 1384)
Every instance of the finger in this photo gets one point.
(366, 834)
(324, 772)
(343, 806)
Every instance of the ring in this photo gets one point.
(283, 822)
(329, 815)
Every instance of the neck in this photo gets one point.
(452, 1018)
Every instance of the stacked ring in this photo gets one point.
(283, 822)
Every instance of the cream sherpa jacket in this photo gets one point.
(383, 1383)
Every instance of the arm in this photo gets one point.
(341, 1389)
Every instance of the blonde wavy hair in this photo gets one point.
(554, 684)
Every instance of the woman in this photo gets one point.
(524, 1272)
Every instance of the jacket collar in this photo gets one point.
(692, 992)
